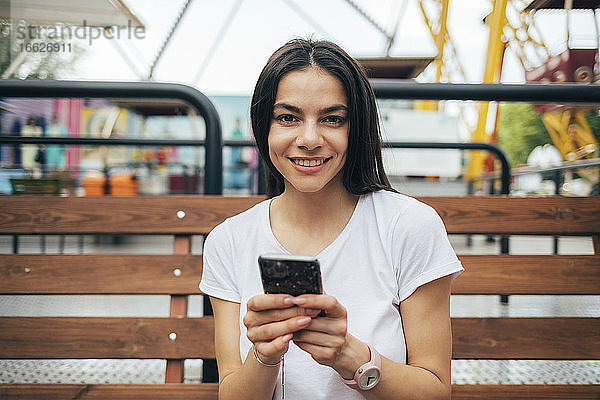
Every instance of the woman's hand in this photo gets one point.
(271, 321)
(327, 339)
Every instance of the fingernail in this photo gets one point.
(303, 320)
(286, 338)
(298, 300)
(288, 301)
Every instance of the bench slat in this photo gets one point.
(529, 274)
(118, 215)
(525, 392)
(153, 274)
(209, 391)
(171, 391)
(100, 337)
(550, 338)
(99, 274)
(553, 215)
(158, 214)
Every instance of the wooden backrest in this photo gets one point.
(183, 216)
(159, 215)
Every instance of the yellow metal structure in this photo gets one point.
(491, 74)
(447, 65)
(449, 69)
(509, 26)
(573, 137)
(523, 37)
(571, 133)
(566, 126)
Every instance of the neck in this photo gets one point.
(311, 210)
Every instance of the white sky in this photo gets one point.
(261, 26)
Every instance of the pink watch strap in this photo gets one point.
(373, 363)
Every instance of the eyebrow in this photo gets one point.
(336, 107)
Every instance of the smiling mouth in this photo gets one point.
(309, 163)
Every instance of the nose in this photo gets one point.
(309, 137)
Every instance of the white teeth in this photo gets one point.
(308, 163)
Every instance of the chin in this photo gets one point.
(314, 184)
(314, 187)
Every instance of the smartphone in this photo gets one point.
(291, 274)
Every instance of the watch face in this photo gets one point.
(369, 379)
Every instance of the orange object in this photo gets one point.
(123, 185)
(93, 184)
(148, 155)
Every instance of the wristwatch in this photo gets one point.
(368, 374)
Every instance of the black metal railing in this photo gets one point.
(384, 89)
(533, 93)
(505, 175)
(563, 166)
(530, 92)
(128, 90)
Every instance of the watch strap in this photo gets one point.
(373, 363)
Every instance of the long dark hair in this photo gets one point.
(363, 170)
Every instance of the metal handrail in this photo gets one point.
(533, 93)
(145, 90)
(529, 92)
(79, 141)
(592, 162)
(505, 173)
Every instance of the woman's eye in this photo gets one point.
(334, 120)
(286, 118)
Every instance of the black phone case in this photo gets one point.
(290, 276)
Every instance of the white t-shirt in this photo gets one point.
(392, 245)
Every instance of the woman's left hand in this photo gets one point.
(327, 339)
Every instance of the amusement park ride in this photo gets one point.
(511, 26)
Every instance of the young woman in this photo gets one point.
(385, 258)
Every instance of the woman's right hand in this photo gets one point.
(271, 320)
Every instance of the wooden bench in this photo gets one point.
(22, 337)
